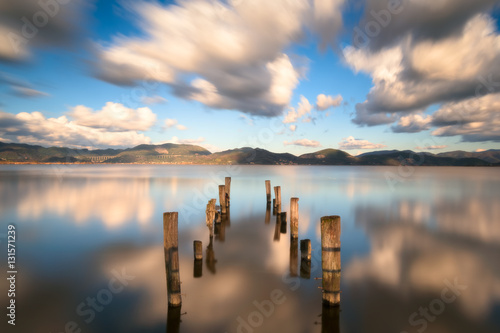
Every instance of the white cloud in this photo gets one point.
(114, 117)
(173, 122)
(186, 141)
(303, 109)
(28, 92)
(170, 122)
(303, 143)
(413, 123)
(293, 128)
(474, 119)
(324, 102)
(414, 74)
(35, 128)
(435, 147)
(63, 26)
(150, 100)
(352, 143)
(235, 51)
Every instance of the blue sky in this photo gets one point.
(248, 73)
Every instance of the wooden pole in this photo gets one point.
(305, 249)
(274, 207)
(294, 217)
(294, 256)
(330, 319)
(305, 268)
(277, 228)
(228, 190)
(268, 190)
(198, 268)
(198, 250)
(283, 222)
(330, 259)
(198, 256)
(210, 259)
(210, 215)
(173, 319)
(268, 213)
(277, 194)
(170, 244)
(222, 198)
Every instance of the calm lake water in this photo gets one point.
(420, 249)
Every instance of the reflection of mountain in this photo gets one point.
(409, 261)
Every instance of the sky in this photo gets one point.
(285, 75)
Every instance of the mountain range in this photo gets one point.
(171, 153)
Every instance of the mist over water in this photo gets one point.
(420, 254)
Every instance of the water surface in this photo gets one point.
(420, 249)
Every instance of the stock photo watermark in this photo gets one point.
(264, 309)
(379, 20)
(31, 26)
(428, 314)
(11, 274)
(87, 310)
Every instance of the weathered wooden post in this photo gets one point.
(173, 319)
(277, 234)
(222, 198)
(294, 217)
(221, 235)
(294, 256)
(268, 191)
(277, 194)
(210, 259)
(305, 249)
(274, 207)
(170, 244)
(330, 319)
(228, 190)
(305, 258)
(198, 250)
(283, 222)
(210, 215)
(268, 213)
(330, 259)
(198, 256)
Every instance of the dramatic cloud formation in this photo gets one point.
(114, 117)
(387, 22)
(32, 23)
(232, 53)
(113, 126)
(324, 102)
(352, 143)
(303, 143)
(418, 72)
(474, 119)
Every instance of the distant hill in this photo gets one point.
(492, 155)
(328, 157)
(171, 153)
